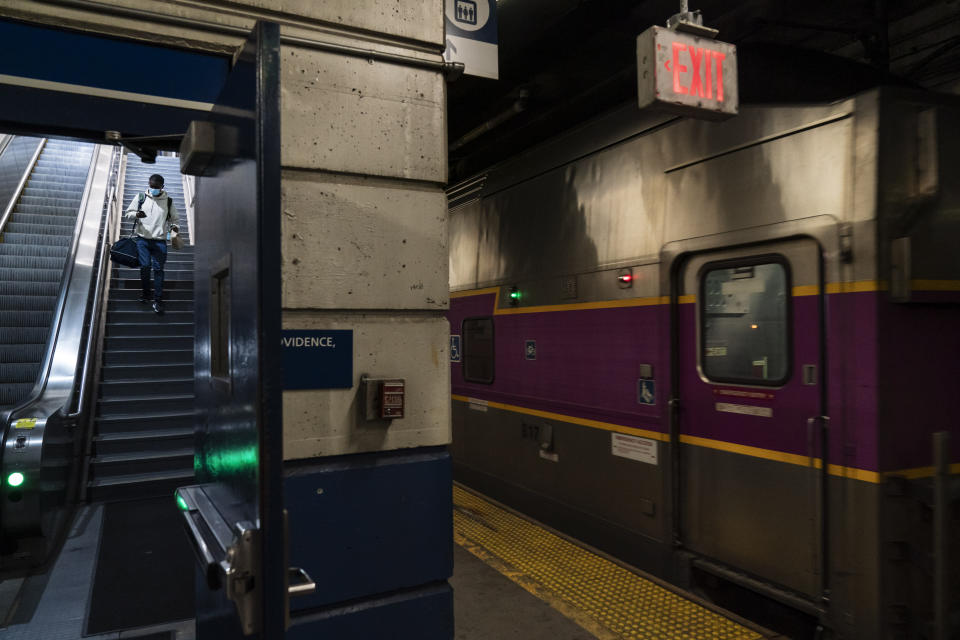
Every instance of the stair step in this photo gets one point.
(139, 485)
(171, 417)
(127, 405)
(141, 462)
(145, 315)
(155, 328)
(154, 344)
(154, 372)
(130, 306)
(169, 275)
(154, 440)
(134, 357)
(122, 458)
(134, 294)
(130, 283)
(140, 388)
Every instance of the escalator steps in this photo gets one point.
(35, 275)
(33, 250)
(22, 353)
(48, 289)
(30, 262)
(39, 240)
(23, 335)
(39, 251)
(18, 372)
(26, 318)
(12, 392)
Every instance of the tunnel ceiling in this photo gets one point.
(562, 61)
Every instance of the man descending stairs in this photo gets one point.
(143, 438)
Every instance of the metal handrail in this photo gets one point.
(120, 196)
(20, 185)
(80, 399)
(5, 140)
(37, 392)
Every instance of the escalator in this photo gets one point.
(35, 242)
(50, 235)
(97, 401)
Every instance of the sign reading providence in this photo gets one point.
(317, 359)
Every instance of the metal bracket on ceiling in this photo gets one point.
(146, 147)
(690, 22)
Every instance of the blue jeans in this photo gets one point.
(152, 253)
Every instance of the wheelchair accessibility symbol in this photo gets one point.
(646, 391)
(455, 349)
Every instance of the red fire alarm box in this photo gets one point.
(391, 399)
(382, 398)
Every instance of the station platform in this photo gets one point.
(553, 588)
(513, 579)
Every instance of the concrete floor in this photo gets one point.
(489, 606)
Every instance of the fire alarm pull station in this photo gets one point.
(383, 398)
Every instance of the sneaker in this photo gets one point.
(158, 307)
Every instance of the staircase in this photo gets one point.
(33, 251)
(143, 430)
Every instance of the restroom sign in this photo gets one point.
(687, 74)
(471, 28)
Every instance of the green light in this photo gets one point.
(182, 503)
(239, 461)
(15, 479)
(515, 295)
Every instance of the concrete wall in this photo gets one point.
(364, 213)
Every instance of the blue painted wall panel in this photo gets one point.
(57, 55)
(371, 523)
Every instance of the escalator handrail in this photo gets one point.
(5, 140)
(8, 211)
(36, 394)
(102, 276)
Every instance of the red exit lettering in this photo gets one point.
(705, 65)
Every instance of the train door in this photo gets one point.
(748, 328)
(235, 516)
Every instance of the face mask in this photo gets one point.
(155, 192)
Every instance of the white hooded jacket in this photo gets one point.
(157, 222)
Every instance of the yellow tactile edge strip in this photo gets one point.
(601, 596)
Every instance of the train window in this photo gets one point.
(478, 350)
(745, 321)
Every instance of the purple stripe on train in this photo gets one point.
(587, 364)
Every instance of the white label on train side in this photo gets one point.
(552, 457)
(477, 404)
(642, 449)
(745, 409)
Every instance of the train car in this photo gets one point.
(721, 351)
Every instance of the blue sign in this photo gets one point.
(455, 354)
(646, 391)
(317, 359)
(471, 27)
(530, 350)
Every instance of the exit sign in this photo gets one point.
(687, 74)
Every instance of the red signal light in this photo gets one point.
(625, 277)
